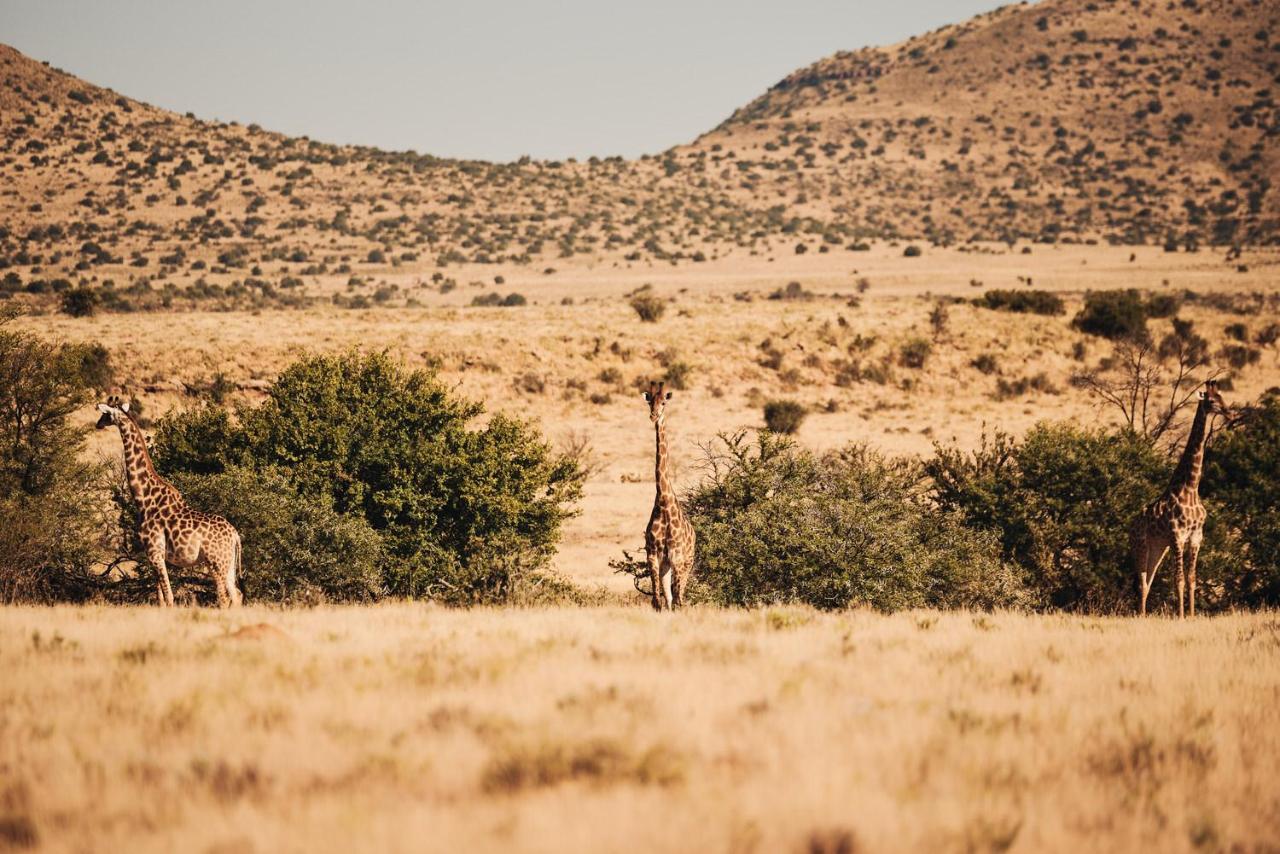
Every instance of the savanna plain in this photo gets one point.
(404, 727)
(908, 251)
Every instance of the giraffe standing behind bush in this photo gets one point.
(1175, 521)
(171, 531)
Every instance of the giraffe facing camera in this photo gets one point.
(669, 540)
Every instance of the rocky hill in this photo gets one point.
(1118, 120)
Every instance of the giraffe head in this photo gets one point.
(657, 398)
(1211, 400)
(114, 411)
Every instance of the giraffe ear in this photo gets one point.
(668, 395)
(104, 409)
(125, 406)
(648, 398)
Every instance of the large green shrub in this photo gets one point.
(784, 416)
(1240, 488)
(51, 501)
(1061, 502)
(1113, 314)
(778, 524)
(1022, 302)
(462, 511)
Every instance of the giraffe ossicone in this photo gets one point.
(669, 540)
(171, 531)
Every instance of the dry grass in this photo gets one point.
(407, 727)
(588, 356)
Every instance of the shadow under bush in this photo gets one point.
(779, 524)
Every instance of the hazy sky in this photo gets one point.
(463, 79)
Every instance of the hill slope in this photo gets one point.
(1132, 121)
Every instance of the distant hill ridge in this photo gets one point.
(1127, 121)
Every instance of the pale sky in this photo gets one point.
(481, 79)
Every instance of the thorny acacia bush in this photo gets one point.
(777, 523)
(51, 500)
(463, 513)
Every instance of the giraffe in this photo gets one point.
(1175, 520)
(171, 531)
(669, 539)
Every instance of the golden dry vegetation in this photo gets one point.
(576, 367)
(1060, 147)
(404, 727)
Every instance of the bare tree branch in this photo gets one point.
(1151, 385)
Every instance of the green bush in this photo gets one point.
(496, 299)
(1113, 314)
(462, 512)
(784, 416)
(296, 550)
(52, 502)
(777, 524)
(1022, 302)
(81, 302)
(1061, 503)
(1241, 482)
(1162, 305)
(678, 375)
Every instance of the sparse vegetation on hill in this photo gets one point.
(1157, 126)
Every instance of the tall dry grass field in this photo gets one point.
(415, 728)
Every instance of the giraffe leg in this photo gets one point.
(1141, 554)
(156, 557)
(655, 576)
(1193, 554)
(218, 570)
(1182, 579)
(668, 601)
(1147, 571)
(237, 599)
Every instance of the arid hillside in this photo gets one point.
(1135, 122)
(1138, 121)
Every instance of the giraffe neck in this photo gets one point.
(138, 470)
(1186, 477)
(662, 465)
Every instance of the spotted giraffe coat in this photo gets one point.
(172, 532)
(669, 540)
